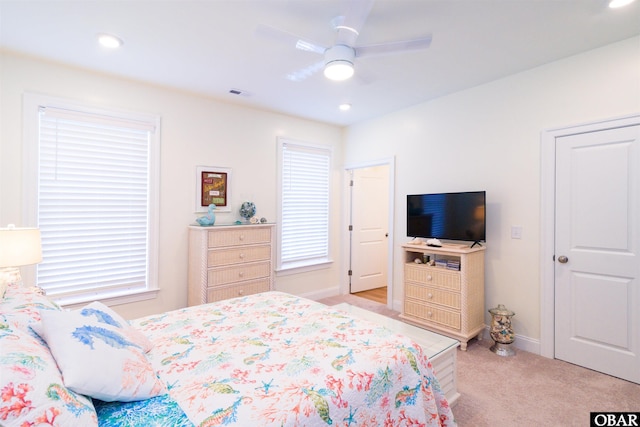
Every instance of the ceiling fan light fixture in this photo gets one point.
(338, 62)
(338, 70)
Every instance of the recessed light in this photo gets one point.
(110, 41)
(613, 4)
(345, 107)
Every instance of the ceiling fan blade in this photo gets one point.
(288, 38)
(349, 24)
(304, 73)
(394, 47)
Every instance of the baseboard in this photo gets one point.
(324, 293)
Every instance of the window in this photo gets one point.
(93, 176)
(304, 204)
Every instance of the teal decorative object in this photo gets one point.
(247, 210)
(209, 218)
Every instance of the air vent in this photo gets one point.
(239, 92)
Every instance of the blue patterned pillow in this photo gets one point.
(161, 411)
(97, 359)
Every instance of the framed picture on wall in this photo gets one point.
(212, 186)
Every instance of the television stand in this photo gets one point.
(448, 296)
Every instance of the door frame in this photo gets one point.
(390, 163)
(547, 219)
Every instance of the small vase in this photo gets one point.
(501, 331)
(247, 210)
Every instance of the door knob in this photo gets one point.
(563, 259)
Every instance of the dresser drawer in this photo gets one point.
(239, 236)
(238, 255)
(432, 276)
(222, 276)
(432, 313)
(247, 288)
(432, 295)
(229, 261)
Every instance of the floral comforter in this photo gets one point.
(275, 359)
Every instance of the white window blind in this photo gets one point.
(94, 201)
(304, 207)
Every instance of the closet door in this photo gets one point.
(597, 267)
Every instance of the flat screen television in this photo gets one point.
(448, 216)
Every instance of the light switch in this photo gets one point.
(516, 232)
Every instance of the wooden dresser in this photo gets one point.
(449, 301)
(228, 261)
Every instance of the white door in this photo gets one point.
(597, 267)
(370, 222)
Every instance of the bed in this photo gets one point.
(269, 359)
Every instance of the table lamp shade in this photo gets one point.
(20, 246)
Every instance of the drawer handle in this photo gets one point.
(429, 295)
(241, 274)
(429, 314)
(241, 237)
(241, 256)
(240, 291)
(429, 278)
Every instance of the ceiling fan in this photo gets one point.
(339, 58)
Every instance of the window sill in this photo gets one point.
(303, 268)
(109, 299)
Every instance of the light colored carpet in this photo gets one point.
(525, 389)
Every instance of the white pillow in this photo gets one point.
(22, 306)
(97, 359)
(107, 315)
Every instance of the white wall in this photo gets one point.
(488, 138)
(195, 131)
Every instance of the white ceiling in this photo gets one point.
(211, 46)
